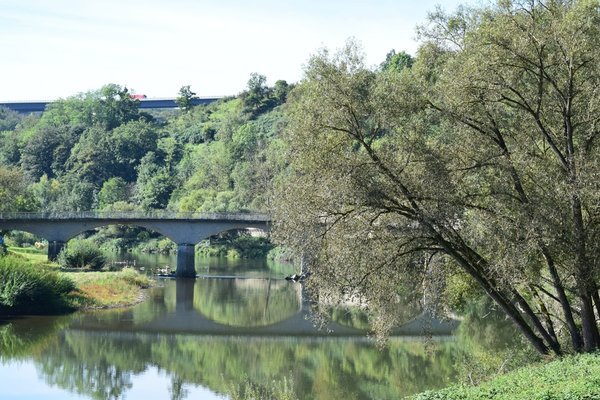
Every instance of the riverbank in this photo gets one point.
(108, 289)
(572, 377)
(28, 286)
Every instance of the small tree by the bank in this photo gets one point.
(82, 254)
(482, 159)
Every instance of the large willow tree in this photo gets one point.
(480, 161)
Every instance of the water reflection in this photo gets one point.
(206, 266)
(103, 365)
(111, 354)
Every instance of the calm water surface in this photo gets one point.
(208, 338)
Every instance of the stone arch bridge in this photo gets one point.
(185, 229)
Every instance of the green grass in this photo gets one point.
(29, 288)
(570, 378)
(108, 289)
(31, 254)
(92, 289)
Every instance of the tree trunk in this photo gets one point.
(585, 288)
(472, 268)
(576, 339)
(596, 299)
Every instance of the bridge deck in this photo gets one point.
(132, 216)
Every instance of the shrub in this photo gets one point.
(235, 246)
(27, 288)
(252, 247)
(21, 239)
(82, 254)
(161, 246)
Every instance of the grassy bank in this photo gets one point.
(108, 289)
(29, 284)
(30, 288)
(573, 377)
(30, 253)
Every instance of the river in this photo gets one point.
(240, 327)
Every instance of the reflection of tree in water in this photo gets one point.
(97, 365)
(177, 391)
(103, 364)
(246, 302)
(29, 335)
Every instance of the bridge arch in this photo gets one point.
(185, 229)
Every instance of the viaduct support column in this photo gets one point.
(54, 247)
(186, 267)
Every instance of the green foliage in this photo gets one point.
(134, 278)
(114, 190)
(48, 148)
(214, 157)
(27, 288)
(396, 62)
(92, 158)
(154, 183)
(81, 253)
(160, 246)
(75, 194)
(573, 377)
(8, 119)
(14, 195)
(184, 98)
(46, 192)
(252, 247)
(481, 153)
(108, 107)
(21, 239)
(282, 389)
(258, 97)
(128, 143)
(460, 290)
(236, 245)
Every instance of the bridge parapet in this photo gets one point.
(134, 215)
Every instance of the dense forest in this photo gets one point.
(99, 151)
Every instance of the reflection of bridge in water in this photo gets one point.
(185, 318)
(185, 229)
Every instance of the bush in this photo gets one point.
(233, 245)
(21, 239)
(280, 254)
(161, 246)
(82, 254)
(252, 247)
(26, 288)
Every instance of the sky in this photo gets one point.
(59, 48)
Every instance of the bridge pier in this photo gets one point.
(186, 257)
(54, 248)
